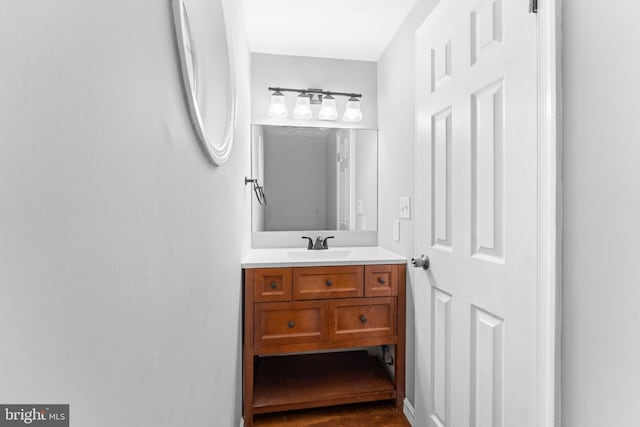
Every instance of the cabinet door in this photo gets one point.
(380, 280)
(328, 282)
(278, 324)
(362, 318)
(272, 284)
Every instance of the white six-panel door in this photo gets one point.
(477, 216)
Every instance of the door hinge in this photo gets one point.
(533, 6)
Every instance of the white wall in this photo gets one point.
(601, 314)
(120, 245)
(396, 151)
(300, 72)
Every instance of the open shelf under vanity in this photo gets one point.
(292, 382)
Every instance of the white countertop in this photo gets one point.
(301, 257)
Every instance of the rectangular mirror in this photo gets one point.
(315, 178)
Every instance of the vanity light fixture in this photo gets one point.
(277, 108)
(303, 107)
(328, 111)
(307, 97)
(316, 98)
(352, 112)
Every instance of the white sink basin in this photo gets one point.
(318, 254)
(301, 257)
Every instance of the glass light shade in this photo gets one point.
(328, 111)
(352, 112)
(303, 108)
(277, 108)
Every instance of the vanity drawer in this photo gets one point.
(362, 318)
(272, 284)
(282, 323)
(380, 280)
(311, 283)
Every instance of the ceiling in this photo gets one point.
(343, 29)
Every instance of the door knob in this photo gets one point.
(422, 262)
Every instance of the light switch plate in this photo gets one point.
(405, 207)
(396, 230)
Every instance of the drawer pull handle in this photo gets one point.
(329, 283)
(274, 285)
(381, 280)
(291, 324)
(363, 319)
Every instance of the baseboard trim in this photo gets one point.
(242, 422)
(409, 412)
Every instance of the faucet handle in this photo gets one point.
(324, 242)
(310, 245)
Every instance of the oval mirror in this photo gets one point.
(209, 79)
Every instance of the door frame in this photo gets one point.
(549, 213)
(549, 271)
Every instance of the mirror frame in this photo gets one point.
(217, 152)
(291, 238)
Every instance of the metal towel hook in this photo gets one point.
(257, 189)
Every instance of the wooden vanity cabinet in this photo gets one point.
(292, 312)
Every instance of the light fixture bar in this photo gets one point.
(316, 91)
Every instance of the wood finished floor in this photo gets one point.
(368, 414)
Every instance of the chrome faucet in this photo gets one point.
(319, 244)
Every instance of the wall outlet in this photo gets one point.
(359, 207)
(405, 207)
(396, 230)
